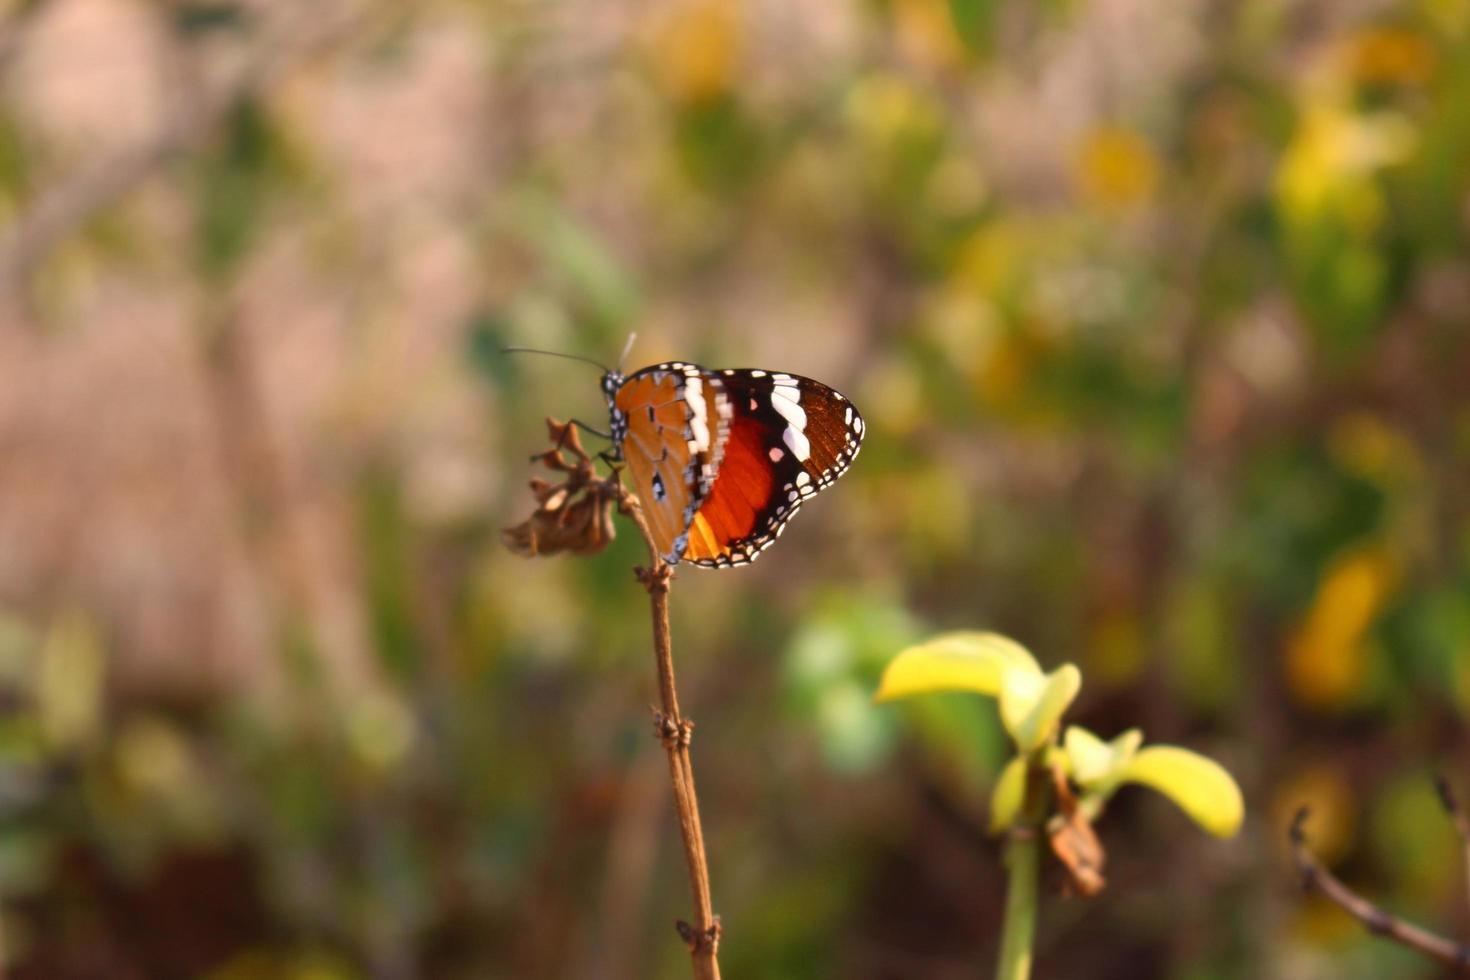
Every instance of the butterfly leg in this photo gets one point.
(566, 433)
(588, 429)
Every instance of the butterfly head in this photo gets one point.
(611, 382)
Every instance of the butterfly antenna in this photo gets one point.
(552, 353)
(627, 349)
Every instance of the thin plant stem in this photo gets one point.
(1314, 877)
(574, 516)
(1023, 869)
(674, 731)
(1023, 861)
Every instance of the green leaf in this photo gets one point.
(964, 661)
(1008, 795)
(1031, 705)
(1095, 764)
(1201, 786)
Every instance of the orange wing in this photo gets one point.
(677, 422)
(790, 438)
(740, 496)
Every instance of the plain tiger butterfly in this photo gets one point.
(722, 460)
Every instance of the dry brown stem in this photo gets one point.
(1074, 842)
(1316, 878)
(670, 726)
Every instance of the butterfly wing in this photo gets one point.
(788, 438)
(674, 425)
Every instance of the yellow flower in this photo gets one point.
(1332, 159)
(696, 51)
(1031, 701)
(1390, 56)
(1326, 654)
(1198, 785)
(1031, 706)
(1116, 168)
(926, 34)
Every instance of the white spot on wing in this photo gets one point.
(776, 454)
(786, 400)
(802, 478)
(698, 424)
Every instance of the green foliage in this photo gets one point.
(234, 185)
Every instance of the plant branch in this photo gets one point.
(674, 730)
(1457, 817)
(1316, 878)
(574, 515)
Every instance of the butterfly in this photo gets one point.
(722, 460)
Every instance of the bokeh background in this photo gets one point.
(1158, 316)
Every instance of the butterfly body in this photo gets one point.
(721, 460)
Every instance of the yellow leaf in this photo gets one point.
(1031, 705)
(1009, 793)
(963, 661)
(1201, 786)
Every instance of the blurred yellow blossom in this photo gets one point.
(984, 258)
(153, 757)
(1389, 56)
(926, 33)
(1368, 446)
(1327, 656)
(1332, 158)
(696, 50)
(1116, 167)
(70, 672)
(1326, 793)
(887, 111)
(1449, 16)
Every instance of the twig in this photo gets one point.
(1457, 817)
(674, 730)
(574, 516)
(1316, 878)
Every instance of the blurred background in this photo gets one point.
(1157, 313)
